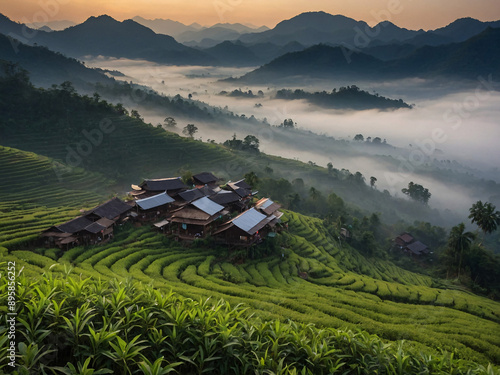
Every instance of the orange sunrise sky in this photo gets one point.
(412, 14)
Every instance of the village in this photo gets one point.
(186, 213)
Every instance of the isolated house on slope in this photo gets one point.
(408, 244)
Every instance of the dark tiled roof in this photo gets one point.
(406, 238)
(241, 188)
(225, 197)
(95, 228)
(417, 247)
(75, 225)
(111, 209)
(163, 184)
(190, 195)
(205, 178)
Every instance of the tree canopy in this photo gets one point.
(485, 216)
(417, 192)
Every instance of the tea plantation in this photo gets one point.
(144, 303)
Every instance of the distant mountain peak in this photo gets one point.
(104, 18)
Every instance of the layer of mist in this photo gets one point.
(447, 140)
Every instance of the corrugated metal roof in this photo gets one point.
(161, 224)
(249, 220)
(207, 206)
(266, 202)
(154, 201)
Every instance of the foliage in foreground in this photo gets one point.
(71, 326)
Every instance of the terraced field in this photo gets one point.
(34, 196)
(409, 309)
(312, 279)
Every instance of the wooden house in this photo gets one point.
(417, 248)
(205, 179)
(230, 200)
(153, 207)
(409, 245)
(172, 186)
(197, 219)
(241, 188)
(92, 227)
(197, 193)
(247, 228)
(268, 207)
(114, 209)
(404, 239)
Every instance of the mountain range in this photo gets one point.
(477, 56)
(106, 36)
(384, 49)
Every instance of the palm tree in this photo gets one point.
(460, 241)
(485, 216)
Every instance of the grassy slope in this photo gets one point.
(34, 198)
(343, 288)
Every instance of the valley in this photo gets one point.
(382, 153)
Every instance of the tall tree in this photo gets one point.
(373, 180)
(251, 179)
(251, 142)
(459, 241)
(190, 130)
(417, 192)
(170, 122)
(485, 216)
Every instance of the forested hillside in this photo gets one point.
(67, 153)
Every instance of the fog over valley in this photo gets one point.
(452, 125)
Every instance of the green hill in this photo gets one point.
(35, 196)
(305, 275)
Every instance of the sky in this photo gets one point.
(412, 14)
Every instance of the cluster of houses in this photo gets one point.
(409, 245)
(206, 209)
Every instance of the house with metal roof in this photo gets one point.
(247, 228)
(197, 219)
(151, 208)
